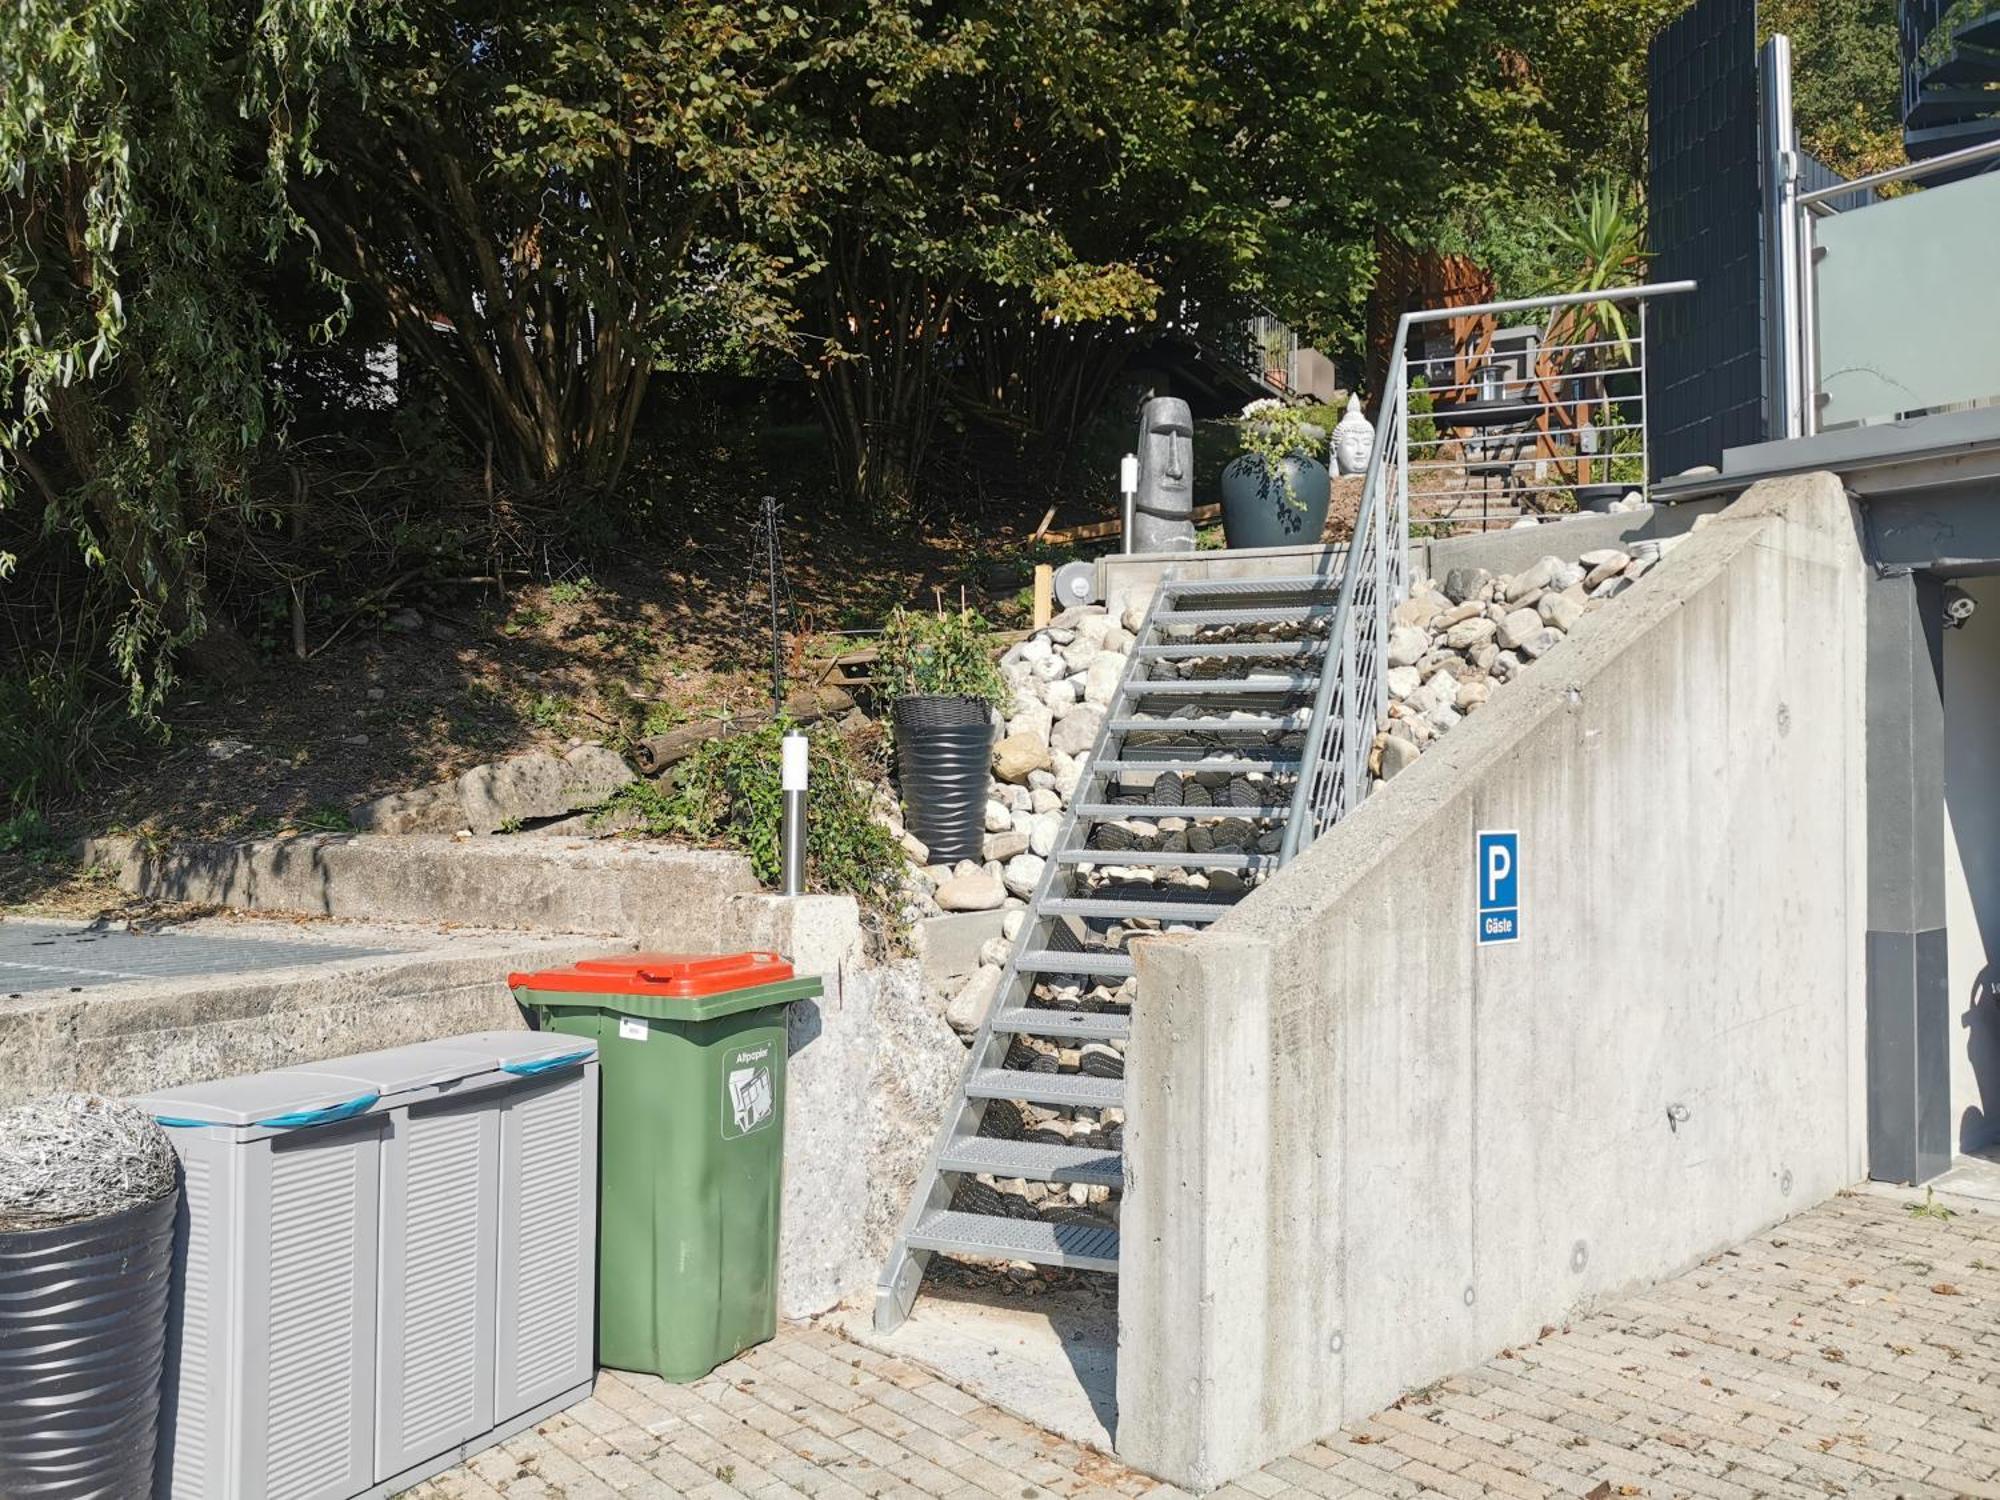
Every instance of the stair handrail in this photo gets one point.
(1353, 684)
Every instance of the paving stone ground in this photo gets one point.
(1854, 1350)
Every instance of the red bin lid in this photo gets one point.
(679, 975)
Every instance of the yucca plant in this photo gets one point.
(1600, 247)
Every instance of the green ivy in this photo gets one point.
(946, 653)
(728, 792)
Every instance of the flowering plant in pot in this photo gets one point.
(944, 693)
(1275, 493)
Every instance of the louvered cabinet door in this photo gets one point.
(548, 1242)
(193, 1452)
(440, 1175)
(315, 1440)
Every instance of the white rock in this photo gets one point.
(1068, 772)
(1078, 730)
(1505, 665)
(915, 848)
(1516, 628)
(1102, 680)
(1010, 923)
(1092, 627)
(1004, 846)
(1609, 564)
(1442, 717)
(1532, 578)
(1059, 696)
(1526, 523)
(1036, 648)
(1044, 800)
(1472, 694)
(1402, 681)
(1560, 610)
(1611, 588)
(1469, 633)
(1050, 668)
(998, 819)
(1407, 644)
(1081, 654)
(1043, 831)
(1021, 875)
(975, 891)
(1443, 688)
(967, 1011)
(1033, 719)
(1398, 754)
(1043, 780)
(1133, 617)
(1541, 643)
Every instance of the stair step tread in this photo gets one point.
(1113, 811)
(1179, 859)
(1271, 765)
(1233, 588)
(1254, 724)
(1054, 961)
(1083, 1247)
(1114, 907)
(1272, 682)
(1087, 1025)
(1252, 650)
(1281, 614)
(1038, 1161)
(1064, 1090)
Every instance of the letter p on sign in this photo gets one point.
(1497, 869)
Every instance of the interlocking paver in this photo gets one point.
(1854, 1351)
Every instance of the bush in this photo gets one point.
(728, 793)
(58, 725)
(947, 653)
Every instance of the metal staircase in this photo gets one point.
(1182, 808)
(1951, 78)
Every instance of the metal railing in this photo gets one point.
(1353, 692)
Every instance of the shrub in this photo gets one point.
(945, 653)
(728, 793)
(59, 724)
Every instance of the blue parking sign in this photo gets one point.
(1497, 868)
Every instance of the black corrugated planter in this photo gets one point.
(944, 751)
(83, 1328)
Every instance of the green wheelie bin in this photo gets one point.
(691, 1146)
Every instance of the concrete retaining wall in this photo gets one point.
(541, 884)
(1362, 1153)
(872, 1063)
(131, 1038)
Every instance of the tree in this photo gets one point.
(146, 145)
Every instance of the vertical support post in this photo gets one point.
(1784, 370)
(1128, 495)
(1045, 594)
(792, 778)
(1645, 422)
(1909, 1011)
(771, 566)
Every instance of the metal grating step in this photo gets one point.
(1113, 811)
(1081, 1247)
(1269, 765)
(1178, 687)
(1053, 961)
(1115, 907)
(1254, 724)
(1084, 1025)
(1177, 859)
(1253, 650)
(1247, 588)
(1058, 1090)
(1276, 614)
(1038, 1161)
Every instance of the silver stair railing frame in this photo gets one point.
(1353, 688)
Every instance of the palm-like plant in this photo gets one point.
(1600, 247)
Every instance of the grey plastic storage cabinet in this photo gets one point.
(386, 1262)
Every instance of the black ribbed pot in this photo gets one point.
(83, 1329)
(944, 759)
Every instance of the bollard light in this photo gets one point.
(792, 780)
(1128, 491)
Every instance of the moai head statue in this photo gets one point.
(1164, 515)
